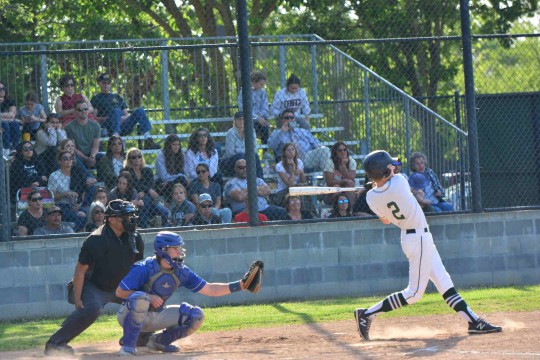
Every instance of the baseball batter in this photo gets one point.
(152, 281)
(391, 199)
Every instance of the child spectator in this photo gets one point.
(48, 137)
(170, 167)
(110, 165)
(259, 105)
(32, 115)
(182, 210)
(102, 195)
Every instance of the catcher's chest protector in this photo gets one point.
(162, 282)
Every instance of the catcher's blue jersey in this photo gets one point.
(140, 278)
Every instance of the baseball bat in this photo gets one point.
(317, 190)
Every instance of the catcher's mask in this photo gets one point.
(166, 239)
(376, 165)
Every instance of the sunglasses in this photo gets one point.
(27, 148)
(2, 89)
(206, 206)
(66, 158)
(288, 117)
(344, 201)
(82, 110)
(201, 172)
(99, 212)
(134, 157)
(396, 163)
(36, 199)
(241, 167)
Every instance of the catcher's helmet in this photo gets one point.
(120, 208)
(376, 164)
(165, 239)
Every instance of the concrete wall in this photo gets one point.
(301, 261)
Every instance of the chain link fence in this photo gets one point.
(177, 123)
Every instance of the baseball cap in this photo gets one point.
(239, 114)
(418, 181)
(53, 210)
(205, 197)
(104, 77)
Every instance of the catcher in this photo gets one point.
(149, 284)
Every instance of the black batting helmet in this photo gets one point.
(376, 164)
(120, 208)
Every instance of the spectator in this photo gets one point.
(69, 145)
(110, 165)
(419, 184)
(243, 216)
(182, 210)
(86, 134)
(202, 149)
(32, 115)
(293, 206)
(65, 104)
(434, 191)
(310, 150)
(361, 207)
(398, 165)
(124, 190)
(170, 166)
(290, 172)
(112, 111)
(24, 170)
(96, 216)
(143, 182)
(10, 126)
(259, 105)
(235, 147)
(54, 224)
(340, 171)
(292, 97)
(48, 137)
(236, 192)
(203, 185)
(33, 217)
(102, 195)
(66, 184)
(342, 207)
(205, 215)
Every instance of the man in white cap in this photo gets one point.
(204, 215)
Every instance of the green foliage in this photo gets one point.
(20, 335)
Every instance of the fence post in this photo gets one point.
(44, 84)
(169, 128)
(462, 170)
(282, 64)
(366, 111)
(315, 93)
(470, 103)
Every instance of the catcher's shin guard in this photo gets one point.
(137, 306)
(190, 320)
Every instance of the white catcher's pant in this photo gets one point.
(155, 320)
(424, 264)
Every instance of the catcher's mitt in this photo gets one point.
(253, 278)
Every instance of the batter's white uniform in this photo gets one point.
(395, 202)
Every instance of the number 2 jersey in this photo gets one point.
(395, 202)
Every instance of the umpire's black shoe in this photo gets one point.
(481, 326)
(58, 349)
(363, 323)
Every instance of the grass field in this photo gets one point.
(21, 335)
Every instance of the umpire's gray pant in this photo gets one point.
(94, 300)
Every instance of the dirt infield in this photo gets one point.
(436, 337)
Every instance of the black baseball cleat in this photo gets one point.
(58, 349)
(481, 326)
(363, 323)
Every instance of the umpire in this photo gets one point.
(105, 258)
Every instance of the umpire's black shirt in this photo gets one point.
(109, 257)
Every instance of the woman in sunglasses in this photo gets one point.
(202, 149)
(143, 182)
(24, 170)
(342, 207)
(34, 217)
(96, 216)
(203, 185)
(65, 104)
